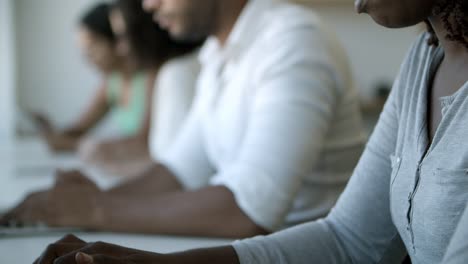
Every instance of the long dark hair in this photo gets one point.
(454, 14)
(96, 20)
(149, 44)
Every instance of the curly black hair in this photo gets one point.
(149, 44)
(96, 20)
(454, 14)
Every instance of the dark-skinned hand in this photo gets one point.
(72, 250)
(72, 202)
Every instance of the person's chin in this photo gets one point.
(184, 36)
(390, 21)
(178, 36)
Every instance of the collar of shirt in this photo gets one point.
(242, 34)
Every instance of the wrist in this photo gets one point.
(224, 254)
(99, 211)
(73, 132)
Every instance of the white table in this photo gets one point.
(26, 166)
(21, 250)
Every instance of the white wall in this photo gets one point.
(7, 72)
(375, 52)
(52, 75)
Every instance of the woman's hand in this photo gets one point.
(72, 250)
(116, 157)
(96, 152)
(61, 142)
(57, 141)
(43, 123)
(68, 243)
(83, 258)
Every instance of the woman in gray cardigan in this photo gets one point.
(410, 187)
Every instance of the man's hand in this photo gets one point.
(29, 212)
(72, 202)
(95, 152)
(71, 249)
(75, 201)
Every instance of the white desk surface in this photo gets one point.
(27, 166)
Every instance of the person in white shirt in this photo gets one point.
(271, 139)
(171, 104)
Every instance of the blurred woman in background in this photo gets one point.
(97, 42)
(130, 55)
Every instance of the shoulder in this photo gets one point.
(413, 74)
(416, 65)
(286, 26)
(180, 69)
(179, 75)
(287, 15)
(420, 52)
(184, 64)
(295, 35)
(113, 85)
(288, 19)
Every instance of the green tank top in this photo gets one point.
(129, 117)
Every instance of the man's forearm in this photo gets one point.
(155, 180)
(211, 211)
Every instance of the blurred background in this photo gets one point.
(41, 68)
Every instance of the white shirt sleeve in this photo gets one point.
(187, 157)
(172, 99)
(359, 229)
(293, 106)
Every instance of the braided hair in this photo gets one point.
(454, 14)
